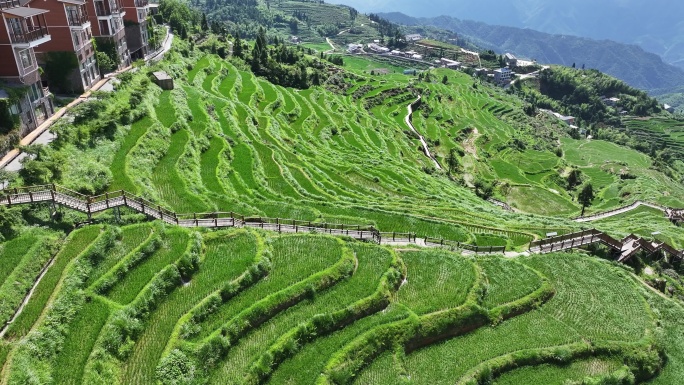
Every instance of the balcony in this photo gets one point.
(107, 8)
(77, 18)
(26, 26)
(32, 37)
(141, 3)
(7, 4)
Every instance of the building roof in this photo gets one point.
(24, 12)
(161, 75)
(510, 56)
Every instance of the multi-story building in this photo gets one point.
(106, 17)
(70, 28)
(23, 30)
(137, 27)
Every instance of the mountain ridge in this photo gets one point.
(628, 62)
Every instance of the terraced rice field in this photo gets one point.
(261, 307)
(238, 143)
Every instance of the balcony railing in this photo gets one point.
(6, 4)
(141, 3)
(112, 7)
(32, 34)
(77, 18)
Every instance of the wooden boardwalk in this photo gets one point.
(91, 205)
(625, 249)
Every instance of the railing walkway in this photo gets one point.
(95, 204)
(673, 214)
(625, 248)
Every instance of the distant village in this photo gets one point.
(501, 76)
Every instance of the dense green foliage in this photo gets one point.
(154, 303)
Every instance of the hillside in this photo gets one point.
(148, 304)
(289, 216)
(652, 25)
(632, 64)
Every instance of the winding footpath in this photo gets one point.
(607, 214)
(422, 139)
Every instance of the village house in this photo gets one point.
(448, 63)
(24, 29)
(511, 60)
(611, 102)
(354, 48)
(502, 76)
(669, 108)
(413, 37)
(378, 48)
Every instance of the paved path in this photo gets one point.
(422, 140)
(619, 211)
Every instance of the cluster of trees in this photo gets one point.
(578, 93)
(389, 32)
(281, 64)
(183, 20)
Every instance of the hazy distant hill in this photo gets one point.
(655, 25)
(630, 63)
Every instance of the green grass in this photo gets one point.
(286, 270)
(507, 281)
(435, 281)
(585, 290)
(227, 256)
(75, 244)
(559, 375)
(12, 253)
(131, 237)
(372, 264)
(80, 340)
(174, 244)
(120, 178)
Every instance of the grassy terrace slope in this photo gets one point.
(225, 140)
(250, 312)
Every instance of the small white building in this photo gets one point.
(378, 48)
(354, 48)
(413, 37)
(612, 102)
(669, 108)
(502, 76)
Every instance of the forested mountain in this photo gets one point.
(630, 63)
(655, 25)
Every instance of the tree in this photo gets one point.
(453, 162)
(205, 24)
(237, 46)
(586, 196)
(445, 80)
(574, 178)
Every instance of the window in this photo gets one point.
(15, 109)
(26, 57)
(35, 91)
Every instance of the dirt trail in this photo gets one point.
(469, 144)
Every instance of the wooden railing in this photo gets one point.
(94, 204)
(587, 237)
